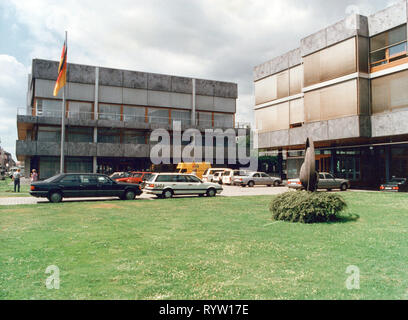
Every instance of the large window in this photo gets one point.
(331, 102)
(80, 110)
(330, 63)
(48, 108)
(78, 164)
(389, 92)
(134, 114)
(204, 119)
(388, 46)
(109, 112)
(49, 134)
(180, 115)
(160, 116)
(222, 120)
(295, 77)
(296, 112)
(134, 137)
(107, 135)
(79, 134)
(48, 167)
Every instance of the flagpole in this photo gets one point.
(63, 117)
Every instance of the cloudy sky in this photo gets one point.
(210, 39)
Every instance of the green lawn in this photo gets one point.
(202, 248)
(7, 189)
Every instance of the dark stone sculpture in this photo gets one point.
(308, 174)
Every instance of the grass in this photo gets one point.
(199, 248)
(7, 189)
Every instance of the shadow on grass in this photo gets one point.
(345, 218)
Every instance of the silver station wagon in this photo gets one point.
(166, 185)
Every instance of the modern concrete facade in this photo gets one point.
(110, 114)
(346, 87)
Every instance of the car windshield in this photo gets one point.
(54, 178)
(152, 177)
(137, 175)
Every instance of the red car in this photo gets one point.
(136, 177)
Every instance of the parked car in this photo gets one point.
(73, 185)
(165, 185)
(209, 173)
(229, 175)
(217, 177)
(326, 181)
(395, 185)
(257, 178)
(136, 177)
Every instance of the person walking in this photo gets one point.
(34, 176)
(16, 178)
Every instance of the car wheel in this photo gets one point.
(130, 195)
(343, 187)
(251, 184)
(211, 192)
(55, 197)
(276, 183)
(167, 194)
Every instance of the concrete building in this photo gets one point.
(110, 114)
(346, 86)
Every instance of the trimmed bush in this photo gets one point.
(307, 207)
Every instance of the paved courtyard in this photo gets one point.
(229, 191)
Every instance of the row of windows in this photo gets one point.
(84, 110)
(340, 100)
(334, 62)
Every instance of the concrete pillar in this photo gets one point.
(387, 152)
(96, 107)
(280, 163)
(193, 104)
(332, 161)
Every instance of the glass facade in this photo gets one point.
(134, 114)
(222, 120)
(49, 134)
(159, 116)
(80, 110)
(180, 115)
(79, 134)
(78, 164)
(109, 112)
(107, 135)
(48, 108)
(134, 137)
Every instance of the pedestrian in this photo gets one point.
(34, 176)
(16, 178)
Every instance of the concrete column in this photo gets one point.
(193, 105)
(280, 163)
(387, 152)
(332, 161)
(96, 107)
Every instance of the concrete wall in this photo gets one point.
(389, 123)
(388, 18)
(76, 73)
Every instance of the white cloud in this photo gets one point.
(221, 39)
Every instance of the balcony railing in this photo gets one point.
(131, 118)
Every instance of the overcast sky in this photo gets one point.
(210, 39)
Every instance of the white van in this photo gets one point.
(208, 175)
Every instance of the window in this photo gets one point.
(183, 116)
(321, 176)
(166, 178)
(106, 135)
(160, 116)
(205, 119)
(147, 176)
(256, 175)
(273, 118)
(88, 179)
(80, 110)
(109, 112)
(134, 114)
(389, 92)
(49, 134)
(330, 63)
(134, 137)
(79, 164)
(222, 120)
(388, 46)
(329, 176)
(192, 179)
(104, 180)
(264, 175)
(49, 108)
(70, 179)
(79, 134)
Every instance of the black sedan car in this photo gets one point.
(76, 185)
(395, 185)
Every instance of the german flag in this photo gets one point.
(62, 71)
